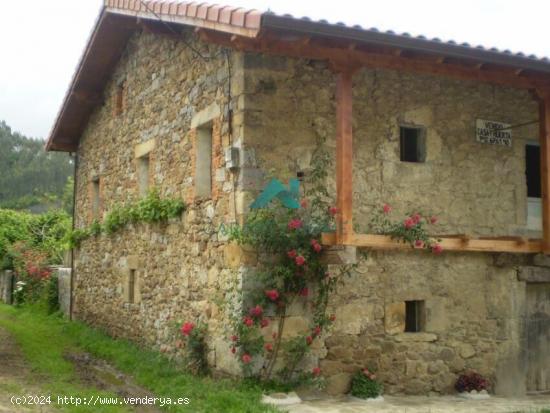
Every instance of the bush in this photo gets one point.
(471, 381)
(365, 386)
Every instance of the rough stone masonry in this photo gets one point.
(473, 305)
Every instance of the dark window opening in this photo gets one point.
(414, 316)
(96, 198)
(412, 144)
(532, 170)
(131, 286)
(120, 99)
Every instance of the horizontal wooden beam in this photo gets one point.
(270, 44)
(449, 243)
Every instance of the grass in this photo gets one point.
(44, 339)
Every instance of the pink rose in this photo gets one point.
(246, 358)
(433, 219)
(386, 208)
(309, 340)
(333, 211)
(419, 243)
(256, 311)
(317, 248)
(248, 321)
(316, 371)
(416, 218)
(300, 260)
(268, 347)
(292, 254)
(187, 328)
(234, 338)
(264, 322)
(273, 295)
(437, 249)
(295, 224)
(317, 330)
(408, 223)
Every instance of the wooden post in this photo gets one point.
(344, 156)
(544, 136)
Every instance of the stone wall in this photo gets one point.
(474, 309)
(178, 267)
(6, 286)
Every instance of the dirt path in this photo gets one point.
(16, 379)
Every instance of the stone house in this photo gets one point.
(205, 102)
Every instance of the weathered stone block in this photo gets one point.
(236, 256)
(338, 384)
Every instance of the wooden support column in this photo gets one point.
(544, 136)
(344, 155)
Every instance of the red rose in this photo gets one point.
(248, 321)
(246, 358)
(304, 292)
(386, 208)
(295, 224)
(234, 338)
(416, 218)
(316, 371)
(366, 372)
(233, 350)
(274, 335)
(437, 249)
(300, 260)
(292, 254)
(433, 220)
(303, 204)
(264, 322)
(256, 311)
(419, 243)
(187, 328)
(317, 248)
(309, 340)
(273, 295)
(268, 347)
(408, 223)
(333, 211)
(317, 330)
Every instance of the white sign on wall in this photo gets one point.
(493, 132)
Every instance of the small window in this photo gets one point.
(412, 144)
(143, 174)
(120, 98)
(132, 286)
(96, 198)
(414, 316)
(203, 163)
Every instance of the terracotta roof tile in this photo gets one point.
(192, 9)
(202, 11)
(237, 17)
(214, 13)
(225, 14)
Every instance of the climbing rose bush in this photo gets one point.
(413, 229)
(194, 335)
(471, 381)
(365, 385)
(293, 271)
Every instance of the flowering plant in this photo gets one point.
(195, 347)
(471, 381)
(365, 385)
(412, 229)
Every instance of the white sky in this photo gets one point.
(41, 40)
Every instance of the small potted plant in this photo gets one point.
(472, 385)
(365, 386)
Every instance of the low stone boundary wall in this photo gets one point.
(6, 286)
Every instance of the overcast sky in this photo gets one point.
(41, 40)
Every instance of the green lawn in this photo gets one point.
(44, 339)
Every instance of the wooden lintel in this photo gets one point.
(87, 97)
(385, 242)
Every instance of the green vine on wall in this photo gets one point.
(151, 208)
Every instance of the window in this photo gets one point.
(203, 162)
(132, 286)
(96, 198)
(143, 174)
(532, 176)
(414, 316)
(412, 144)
